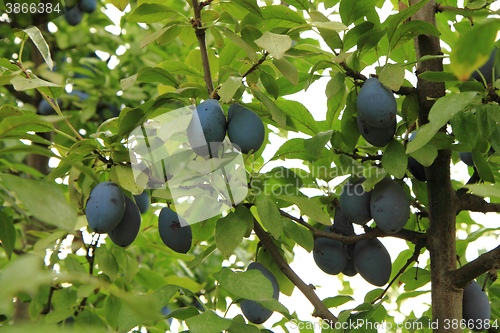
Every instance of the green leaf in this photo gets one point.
(269, 215)
(51, 207)
(36, 36)
(486, 125)
(282, 14)
(482, 166)
(288, 70)
(124, 176)
(275, 44)
(177, 67)
(438, 76)
(352, 35)
(229, 88)
(208, 322)
(440, 113)
(411, 294)
(395, 160)
(252, 285)
(238, 41)
(412, 283)
(230, 230)
(128, 82)
(22, 84)
(152, 37)
(157, 74)
(333, 302)
(299, 4)
(201, 257)
(106, 262)
(24, 123)
(7, 233)
(403, 15)
(151, 13)
(484, 190)
(316, 144)
(299, 116)
(410, 30)
(392, 76)
(219, 41)
(351, 10)
(293, 148)
(336, 83)
(425, 155)
(277, 114)
(250, 5)
(410, 109)
(299, 234)
(307, 207)
(120, 4)
(330, 25)
(464, 126)
(465, 59)
(270, 84)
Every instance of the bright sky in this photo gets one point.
(315, 101)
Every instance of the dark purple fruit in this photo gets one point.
(105, 207)
(128, 228)
(390, 206)
(355, 202)
(175, 232)
(372, 261)
(476, 308)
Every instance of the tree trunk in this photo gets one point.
(446, 301)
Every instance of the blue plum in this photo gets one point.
(379, 137)
(376, 104)
(341, 223)
(355, 202)
(87, 6)
(476, 309)
(142, 201)
(175, 232)
(350, 269)
(372, 261)
(73, 16)
(207, 129)
(127, 230)
(389, 206)
(245, 129)
(166, 311)
(252, 311)
(105, 207)
(466, 157)
(329, 254)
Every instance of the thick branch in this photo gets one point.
(200, 35)
(308, 290)
(475, 203)
(459, 278)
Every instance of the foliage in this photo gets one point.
(165, 57)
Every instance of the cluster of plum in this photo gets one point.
(388, 205)
(109, 211)
(208, 128)
(74, 14)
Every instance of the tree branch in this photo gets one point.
(254, 67)
(321, 310)
(459, 278)
(476, 203)
(200, 35)
(360, 157)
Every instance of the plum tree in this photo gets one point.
(142, 201)
(245, 128)
(105, 207)
(73, 16)
(476, 309)
(329, 254)
(466, 157)
(372, 261)
(389, 206)
(175, 232)
(87, 6)
(487, 70)
(127, 230)
(207, 129)
(376, 104)
(355, 202)
(379, 137)
(254, 312)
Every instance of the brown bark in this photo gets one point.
(446, 300)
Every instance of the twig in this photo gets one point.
(360, 157)
(413, 258)
(423, 212)
(321, 310)
(254, 67)
(461, 11)
(200, 35)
